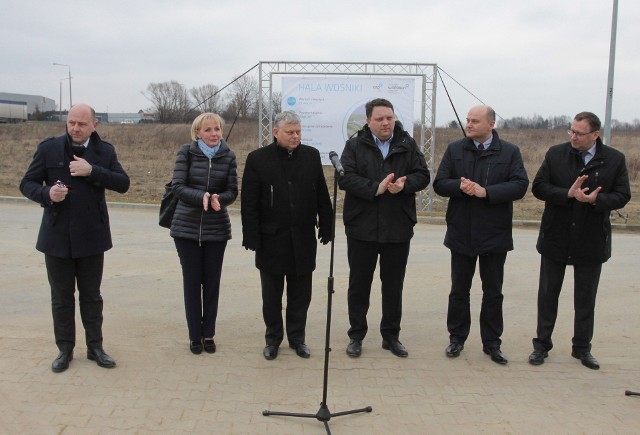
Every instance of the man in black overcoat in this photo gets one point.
(68, 177)
(284, 198)
(580, 182)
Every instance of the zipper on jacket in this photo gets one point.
(271, 195)
(202, 213)
(486, 180)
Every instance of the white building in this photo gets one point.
(43, 104)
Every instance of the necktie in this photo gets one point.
(583, 156)
(481, 147)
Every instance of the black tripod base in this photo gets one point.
(323, 414)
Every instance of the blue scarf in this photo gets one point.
(207, 150)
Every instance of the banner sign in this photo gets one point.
(332, 108)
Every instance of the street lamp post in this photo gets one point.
(60, 102)
(60, 107)
(68, 66)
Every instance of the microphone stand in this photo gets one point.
(323, 414)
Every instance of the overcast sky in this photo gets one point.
(545, 57)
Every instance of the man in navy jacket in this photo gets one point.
(481, 175)
(68, 177)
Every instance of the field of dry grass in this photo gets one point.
(147, 152)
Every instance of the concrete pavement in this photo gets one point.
(158, 386)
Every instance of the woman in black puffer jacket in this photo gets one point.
(206, 182)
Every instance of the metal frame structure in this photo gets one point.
(427, 71)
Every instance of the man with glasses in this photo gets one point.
(581, 181)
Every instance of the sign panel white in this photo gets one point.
(332, 107)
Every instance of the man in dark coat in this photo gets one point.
(284, 198)
(481, 175)
(383, 170)
(580, 181)
(68, 177)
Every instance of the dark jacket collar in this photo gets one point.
(93, 145)
(599, 148)
(496, 145)
(283, 152)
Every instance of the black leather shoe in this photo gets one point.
(209, 345)
(270, 352)
(587, 359)
(496, 355)
(101, 358)
(61, 363)
(354, 349)
(537, 357)
(301, 350)
(195, 347)
(454, 349)
(395, 347)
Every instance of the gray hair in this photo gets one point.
(286, 117)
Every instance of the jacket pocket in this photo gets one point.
(411, 213)
(51, 214)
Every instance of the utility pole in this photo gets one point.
(68, 66)
(612, 62)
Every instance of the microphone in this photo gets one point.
(335, 161)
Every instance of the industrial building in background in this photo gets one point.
(29, 104)
(12, 111)
(23, 107)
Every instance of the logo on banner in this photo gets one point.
(291, 101)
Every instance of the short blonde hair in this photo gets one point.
(197, 123)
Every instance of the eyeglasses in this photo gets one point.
(571, 132)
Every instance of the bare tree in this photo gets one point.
(207, 98)
(276, 102)
(170, 100)
(244, 97)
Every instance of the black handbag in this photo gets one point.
(167, 206)
(169, 200)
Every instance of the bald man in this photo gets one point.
(481, 175)
(68, 177)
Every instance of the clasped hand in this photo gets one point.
(388, 185)
(213, 199)
(472, 188)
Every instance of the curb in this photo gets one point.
(421, 219)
